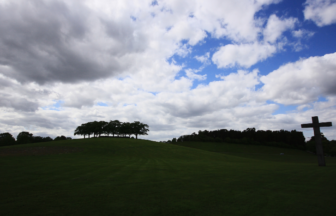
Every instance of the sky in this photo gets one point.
(179, 66)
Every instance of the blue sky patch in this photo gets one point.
(283, 109)
(102, 104)
(57, 106)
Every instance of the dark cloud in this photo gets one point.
(80, 102)
(29, 120)
(185, 110)
(128, 39)
(161, 127)
(17, 103)
(20, 97)
(42, 41)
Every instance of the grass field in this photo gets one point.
(138, 177)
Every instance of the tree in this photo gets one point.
(80, 130)
(128, 129)
(47, 139)
(100, 126)
(36, 139)
(6, 139)
(124, 129)
(112, 127)
(60, 138)
(24, 137)
(139, 128)
(97, 127)
(87, 129)
(323, 138)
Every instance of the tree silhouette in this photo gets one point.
(24, 137)
(122, 129)
(139, 128)
(80, 130)
(112, 127)
(282, 138)
(6, 139)
(60, 138)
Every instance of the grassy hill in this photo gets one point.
(137, 177)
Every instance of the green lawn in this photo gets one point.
(138, 177)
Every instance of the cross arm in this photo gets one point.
(307, 125)
(325, 124)
(322, 124)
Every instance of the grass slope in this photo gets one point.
(137, 177)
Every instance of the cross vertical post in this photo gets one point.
(318, 141)
(317, 135)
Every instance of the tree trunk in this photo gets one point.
(136, 135)
(84, 136)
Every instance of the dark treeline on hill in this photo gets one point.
(329, 147)
(281, 138)
(115, 128)
(25, 137)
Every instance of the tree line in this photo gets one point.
(281, 138)
(329, 146)
(114, 128)
(25, 137)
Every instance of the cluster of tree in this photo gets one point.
(329, 147)
(25, 137)
(282, 138)
(114, 128)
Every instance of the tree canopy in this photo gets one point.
(24, 137)
(114, 128)
(282, 138)
(6, 139)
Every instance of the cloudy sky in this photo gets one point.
(179, 66)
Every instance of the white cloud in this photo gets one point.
(220, 18)
(301, 82)
(302, 33)
(275, 27)
(204, 58)
(187, 29)
(247, 54)
(191, 73)
(322, 12)
(233, 90)
(244, 55)
(183, 50)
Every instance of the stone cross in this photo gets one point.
(317, 134)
